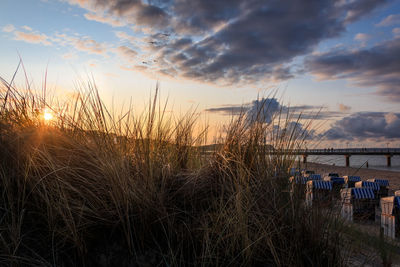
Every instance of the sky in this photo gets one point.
(339, 58)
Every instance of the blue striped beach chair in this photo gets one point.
(337, 184)
(319, 192)
(358, 203)
(384, 186)
(316, 177)
(376, 187)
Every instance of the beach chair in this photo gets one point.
(351, 180)
(337, 184)
(333, 174)
(319, 193)
(358, 204)
(390, 217)
(316, 177)
(384, 186)
(307, 173)
(298, 185)
(376, 187)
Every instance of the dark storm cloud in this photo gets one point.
(378, 66)
(232, 40)
(260, 36)
(366, 125)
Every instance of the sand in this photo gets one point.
(393, 177)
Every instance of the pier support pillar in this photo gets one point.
(347, 160)
(389, 160)
(304, 159)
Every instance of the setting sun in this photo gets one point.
(200, 132)
(47, 115)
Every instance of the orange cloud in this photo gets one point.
(34, 38)
(124, 36)
(89, 45)
(107, 20)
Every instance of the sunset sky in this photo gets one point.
(219, 55)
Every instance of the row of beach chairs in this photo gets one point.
(359, 200)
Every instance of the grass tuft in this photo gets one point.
(96, 188)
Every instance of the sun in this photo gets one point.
(47, 115)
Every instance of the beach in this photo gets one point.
(393, 177)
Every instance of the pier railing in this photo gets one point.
(348, 152)
(340, 151)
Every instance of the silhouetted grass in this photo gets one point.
(94, 188)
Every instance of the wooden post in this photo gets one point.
(388, 160)
(347, 160)
(304, 159)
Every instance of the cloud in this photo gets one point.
(357, 9)
(230, 41)
(34, 38)
(27, 28)
(366, 125)
(362, 37)
(8, 28)
(378, 66)
(267, 108)
(85, 44)
(81, 43)
(396, 32)
(76, 41)
(344, 108)
(228, 110)
(263, 109)
(126, 53)
(29, 36)
(123, 36)
(257, 41)
(298, 130)
(103, 19)
(389, 21)
(132, 12)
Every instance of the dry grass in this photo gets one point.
(95, 188)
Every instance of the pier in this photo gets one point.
(348, 152)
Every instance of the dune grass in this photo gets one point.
(95, 188)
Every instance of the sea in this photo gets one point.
(358, 161)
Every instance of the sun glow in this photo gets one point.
(47, 115)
